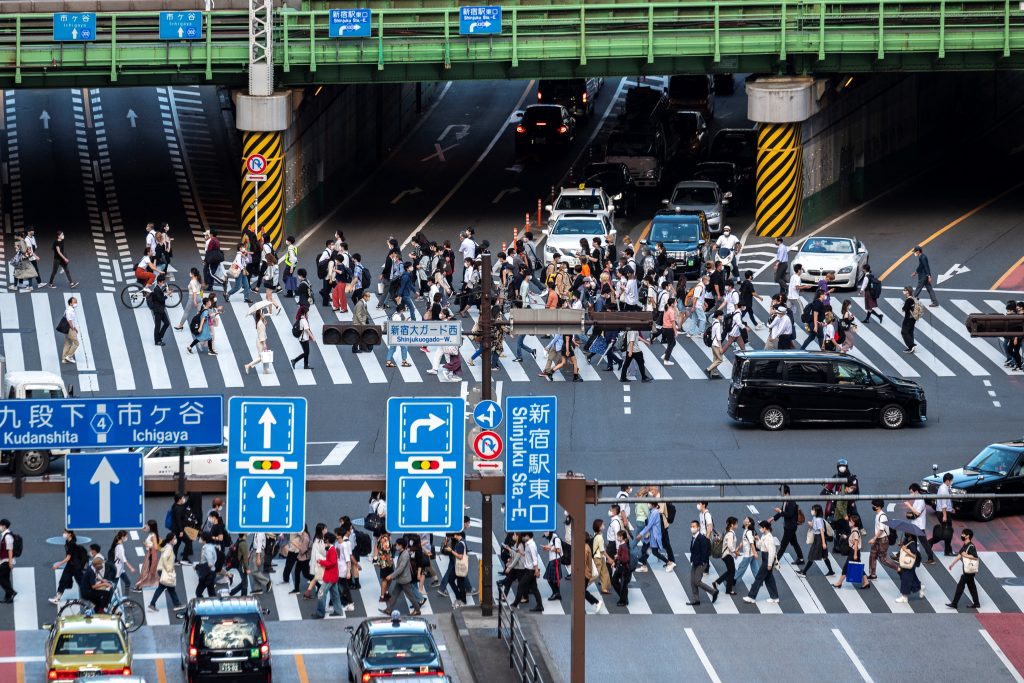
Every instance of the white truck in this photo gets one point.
(32, 384)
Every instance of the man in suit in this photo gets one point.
(158, 304)
(361, 316)
(400, 581)
(788, 512)
(923, 273)
(700, 558)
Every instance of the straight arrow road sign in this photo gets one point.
(103, 477)
(45, 118)
(265, 495)
(132, 116)
(268, 422)
(425, 494)
(103, 491)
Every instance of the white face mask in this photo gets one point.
(694, 532)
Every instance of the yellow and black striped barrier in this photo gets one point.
(780, 164)
(263, 202)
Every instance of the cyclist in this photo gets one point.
(98, 589)
(146, 270)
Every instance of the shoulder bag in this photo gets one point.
(907, 559)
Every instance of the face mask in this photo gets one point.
(694, 532)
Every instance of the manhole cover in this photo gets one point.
(59, 540)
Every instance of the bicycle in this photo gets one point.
(134, 294)
(130, 612)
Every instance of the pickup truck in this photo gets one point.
(35, 385)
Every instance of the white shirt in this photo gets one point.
(556, 548)
(146, 263)
(728, 241)
(698, 293)
(151, 239)
(614, 527)
(943, 504)
(623, 506)
(707, 525)
(468, 248)
(732, 300)
(344, 556)
(305, 333)
(779, 326)
(716, 334)
(881, 524)
(919, 521)
(531, 559)
(793, 293)
(259, 543)
(782, 254)
(629, 293)
(69, 315)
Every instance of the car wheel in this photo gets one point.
(773, 418)
(893, 416)
(985, 510)
(33, 463)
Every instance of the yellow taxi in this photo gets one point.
(87, 645)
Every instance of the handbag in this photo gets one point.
(374, 523)
(266, 357)
(810, 536)
(192, 533)
(971, 564)
(906, 559)
(462, 566)
(63, 327)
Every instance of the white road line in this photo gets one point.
(853, 656)
(999, 570)
(762, 606)
(371, 366)
(162, 616)
(725, 604)
(587, 371)
(702, 656)
(895, 361)
(725, 368)
(287, 604)
(226, 359)
(957, 326)
(940, 341)
(887, 588)
(932, 591)
(637, 601)
(194, 372)
(675, 593)
(85, 360)
(540, 355)
(45, 333)
(156, 366)
(15, 358)
(9, 311)
(515, 370)
(1001, 655)
(283, 325)
(467, 350)
(338, 454)
(330, 352)
(26, 617)
(848, 594)
(369, 589)
(240, 309)
(124, 378)
(800, 589)
(70, 593)
(655, 368)
(687, 364)
(380, 317)
(920, 350)
(187, 576)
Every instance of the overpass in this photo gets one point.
(422, 43)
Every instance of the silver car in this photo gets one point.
(701, 195)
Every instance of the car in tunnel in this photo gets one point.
(701, 195)
(642, 149)
(691, 130)
(692, 91)
(729, 178)
(844, 256)
(545, 125)
(736, 145)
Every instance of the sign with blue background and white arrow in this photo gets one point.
(266, 464)
(103, 491)
(531, 445)
(349, 23)
(480, 20)
(487, 414)
(181, 25)
(425, 464)
(74, 27)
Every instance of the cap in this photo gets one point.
(842, 462)
(727, 229)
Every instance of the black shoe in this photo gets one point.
(577, 378)
(538, 608)
(867, 320)
(645, 380)
(692, 604)
(620, 603)
(951, 605)
(294, 361)
(160, 342)
(974, 606)
(555, 596)
(714, 596)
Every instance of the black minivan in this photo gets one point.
(225, 638)
(773, 388)
(578, 95)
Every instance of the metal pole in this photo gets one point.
(181, 471)
(573, 499)
(256, 210)
(486, 338)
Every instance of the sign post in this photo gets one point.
(74, 27)
(531, 435)
(103, 491)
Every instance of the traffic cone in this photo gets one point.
(504, 246)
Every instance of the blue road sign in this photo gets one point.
(487, 414)
(480, 20)
(112, 422)
(266, 464)
(425, 464)
(424, 333)
(103, 491)
(71, 27)
(181, 25)
(531, 445)
(349, 23)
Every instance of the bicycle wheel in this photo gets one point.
(75, 607)
(173, 295)
(131, 613)
(132, 295)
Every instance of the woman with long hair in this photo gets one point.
(148, 577)
(261, 343)
(116, 555)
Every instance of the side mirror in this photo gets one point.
(350, 629)
(611, 206)
(618, 197)
(935, 468)
(547, 207)
(517, 115)
(643, 242)
(703, 242)
(664, 202)
(727, 195)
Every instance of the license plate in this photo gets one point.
(228, 668)
(540, 141)
(87, 674)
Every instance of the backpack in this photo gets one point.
(296, 329)
(231, 557)
(717, 544)
(688, 300)
(807, 315)
(17, 545)
(195, 324)
(169, 517)
(344, 274)
(365, 279)
(917, 311)
(874, 286)
(708, 339)
(670, 512)
(892, 535)
(363, 546)
(550, 276)
(644, 294)
(321, 267)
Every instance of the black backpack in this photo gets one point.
(363, 544)
(296, 329)
(195, 324)
(708, 339)
(670, 512)
(17, 544)
(365, 279)
(344, 274)
(875, 286)
(321, 267)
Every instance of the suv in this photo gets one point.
(774, 388)
(999, 468)
(385, 647)
(644, 104)
(578, 95)
(692, 92)
(87, 645)
(32, 384)
(702, 195)
(576, 199)
(565, 235)
(686, 238)
(547, 125)
(224, 637)
(643, 150)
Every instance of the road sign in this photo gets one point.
(111, 422)
(181, 25)
(424, 333)
(349, 23)
(103, 491)
(480, 20)
(487, 414)
(266, 464)
(256, 163)
(487, 445)
(531, 484)
(425, 464)
(69, 27)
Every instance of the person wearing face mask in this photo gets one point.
(73, 564)
(553, 569)
(652, 534)
(68, 325)
(766, 573)
(700, 558)
(817, 542)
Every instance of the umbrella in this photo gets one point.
(905, 526)
(259, 306)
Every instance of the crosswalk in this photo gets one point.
(117, 353)
(657, 591)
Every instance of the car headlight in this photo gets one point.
(957, 492)
(550, 250)
(712, 214)
(649, 174)
(846, 270)
(618, 197)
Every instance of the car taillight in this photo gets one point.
(520, 129)
(540, 123)
(127, 671)
(563, 129)
(539, 96)
(584, 98)
(265, 650)
(68, 675)
(193, 653)
(52, 674)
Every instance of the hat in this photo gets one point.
(727, 229)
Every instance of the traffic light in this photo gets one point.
(425, 465)
(995, 325)
(265, 465)
(348, 334)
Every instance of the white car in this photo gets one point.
(580, 199)
(200, 461)
(845, 256)
(564, 236)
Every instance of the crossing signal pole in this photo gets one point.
(487, 328)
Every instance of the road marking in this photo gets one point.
(702, 656)
(1008, 273)
(156, 365)
(300, 669)
(240, 310)
(161, 675)
(124, 379)
(593, 134)
(47, 340)
(950, 226)
(25, 616)
(853, 656)
(753, 510)
(338, 454)
(1001, 655)
(938, 340)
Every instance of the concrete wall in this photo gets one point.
(340, 134)
(886, 127)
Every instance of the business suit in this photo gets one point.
(700, 558)
(158, 304)
(924, 278)
(360, 316)
(789, 525)
(401, 578)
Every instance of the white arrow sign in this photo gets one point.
(74, 34)
(482, 24)
(461, 131)
(268, 421)
(404, 193)
(181, 32)
(955, 270)
(45, 118)
(265, 495)
(431, 422)
(425, 494)
(103, 477)
(132, 116)
(500, 195)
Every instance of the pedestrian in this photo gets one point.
(717, 338)
(24, 270)
(552, 570)
(168, 580)
(71, 566)
(33, 255)
(305, 339)
(818, 537)
(290, 263)
(116, 557)
(384, 559)
(531, 572)
(847, 327)
(68, 326)
(400, 582)
(60, 261)
(158, 305)
(634, 353)
(239, 271)
(766, 572)
(329, 581)
(270, 280)
(790, 514)
(700, 560)
(146, 271)
(203, 334)
(853, 556)
(880, 540)
(730, 548)
(781, 265)
(780, 329)
(814, 320)
(871, 287)
(670, 325)
(916, 513)
(263, 352)
(923, 273)
(968, 557)
(148, 576)
(206, 568)
(241, 563)
(258, 579)
(747, 294)
(601, 557)
(460, 560)
(184, 524)
(944, 511)
(747, 551)
(400, 315)
(910, 560)
(623, 573)
(361, 316)
(193, 298)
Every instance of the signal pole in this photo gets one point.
(486, 342)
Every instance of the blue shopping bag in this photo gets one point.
(855, 572)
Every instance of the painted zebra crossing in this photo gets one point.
(117, 353)
(1000, 589)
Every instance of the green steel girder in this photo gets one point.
(560, 40)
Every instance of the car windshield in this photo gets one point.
(630, 145)
(688, 87)
(551, 90)
(219, 632)
(734, 146)
(993, 459)
(694, 195)
(826, 245)
(582, 226)
(674, 231)
(548, 115)
(722, 175)
(587, 202)
(685, 124)
(89, 644)
(400, 649)
(43, 392)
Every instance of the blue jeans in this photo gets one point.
(752, 561)
(811, 337)
(329, 590)
(395, 347)
(242, 282)
(171, 591)
(697, 321)
(764, 577)
(521, 346)
(480, 350)
(407, 300)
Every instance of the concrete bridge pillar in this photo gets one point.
(779, 106)
(263, 120)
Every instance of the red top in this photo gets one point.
(330, 565)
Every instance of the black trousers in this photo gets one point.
(187, 543)
(527, 587)
(207, 582)
(304, 356)
(160, 324)
(789, 537)
(947, 536)
(667, 544)
(668, 338)
(60, 265)
(968, 581)
(907, 330)
(620, 582)
(5, 581)
(639, 358)
(729, 577)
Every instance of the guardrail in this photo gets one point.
(520, 657)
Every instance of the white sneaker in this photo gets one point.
(350, 607)
(747, 598)
(54, 600)
(668, 362)
(670, 566)
(920, 594)
(773, 601)
(759, 326)
(642, 569)
(902, 599)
